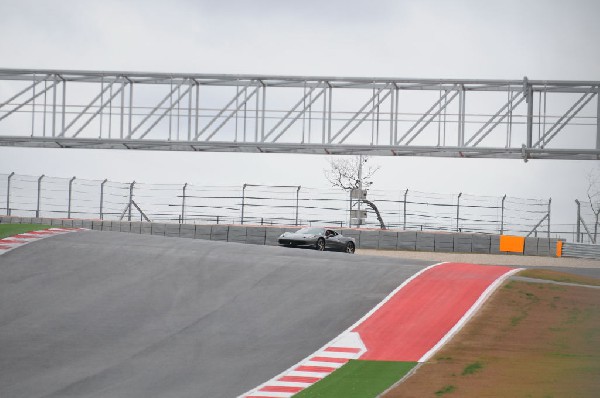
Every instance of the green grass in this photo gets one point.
(515, 320)
(472, 368)
(445, 390)
(358, 379)
(15, 229)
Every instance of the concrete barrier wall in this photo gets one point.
(407, 240)
(261, 235)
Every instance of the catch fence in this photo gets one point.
(45, 196)
(586, 227)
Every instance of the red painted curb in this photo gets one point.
(24, 238)
(419, 315)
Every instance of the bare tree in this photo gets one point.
(344, 172)
(352, 173)
(593, 194)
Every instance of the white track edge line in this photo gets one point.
(361, 320)
(406, 376)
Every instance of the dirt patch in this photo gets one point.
(528, 340)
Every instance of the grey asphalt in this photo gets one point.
(101, 314)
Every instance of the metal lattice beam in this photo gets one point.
(527, 119)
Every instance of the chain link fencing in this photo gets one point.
(46, 196)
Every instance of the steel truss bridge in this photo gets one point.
(525, 119)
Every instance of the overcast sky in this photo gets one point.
(421, 39)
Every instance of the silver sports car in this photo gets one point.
(319, 238)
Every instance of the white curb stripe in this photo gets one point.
(10, 243)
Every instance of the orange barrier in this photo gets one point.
(513, 244)
(559, 248)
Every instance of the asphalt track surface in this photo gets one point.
(100, 314)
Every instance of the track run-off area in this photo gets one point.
(104, 314)
(408, 326)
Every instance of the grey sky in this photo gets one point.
(425, 39)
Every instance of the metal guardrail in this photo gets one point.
(581, 250)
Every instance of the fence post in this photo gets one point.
(297, 202)
(458, 211)
(39, 196)
(243, 201)
(549, 212)
(130, 200)
(404, 219)
(183, 204)
(502, 216)
(70, 196)
(349, 210)
(598, 118)
(102, 199)
(8, 193)
(578, 220)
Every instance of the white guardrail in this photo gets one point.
(581, 250)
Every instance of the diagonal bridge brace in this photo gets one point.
(169, 109)
(222, 111)
(509, 107)
(443, 98)
(361, 110)
(148, 116)
(235, 111)
(83, 112)
(31, 87)
(566, 118)
(298, 115)
(102, 106)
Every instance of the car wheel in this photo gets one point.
(320, 244)
(350, 247)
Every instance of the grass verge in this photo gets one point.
(360, 379)
(528, 340)
(15, 229)
(559, 277)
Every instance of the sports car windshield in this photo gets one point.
(311, 231)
